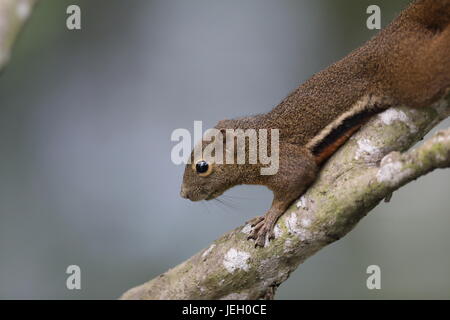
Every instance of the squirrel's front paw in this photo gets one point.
(261, 230)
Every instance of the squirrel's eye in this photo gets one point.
(201, 167)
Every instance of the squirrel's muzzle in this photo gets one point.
(183, 193)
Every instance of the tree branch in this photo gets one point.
(13, 14)
(361, 174)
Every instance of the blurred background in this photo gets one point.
(85, 124)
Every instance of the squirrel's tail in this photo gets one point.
(435, 60)
(417, 63)
(432, 14)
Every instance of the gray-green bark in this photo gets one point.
(13, 14)
(367, 169)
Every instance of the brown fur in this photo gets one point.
(406, 63)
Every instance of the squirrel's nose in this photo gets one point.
(183, 193)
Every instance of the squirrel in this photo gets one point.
(406, 63)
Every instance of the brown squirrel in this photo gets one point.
(407, 63)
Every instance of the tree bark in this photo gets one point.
(366, 170)
(13, 14)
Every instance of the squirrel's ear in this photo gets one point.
(222, 124)
(231, 138)
(224, 135)
(231, 133)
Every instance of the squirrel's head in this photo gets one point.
(204, 177)
(205, 180)
(219, 161)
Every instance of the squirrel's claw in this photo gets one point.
(255, 221)
(261, 230)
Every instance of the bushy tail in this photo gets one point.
(417, 63)
(432, 14)
(435, 15)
